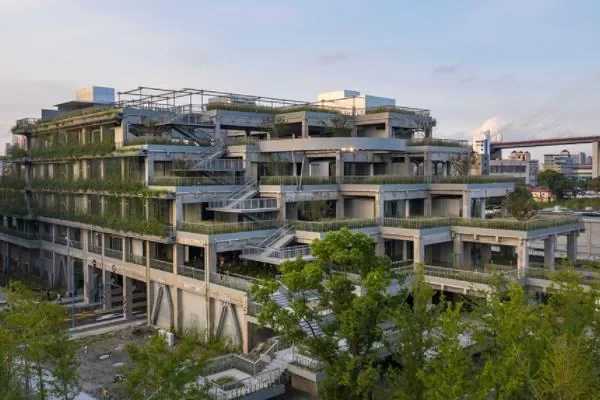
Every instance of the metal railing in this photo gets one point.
(196, 180)
(246, 204)
(161, 264)
(381, 180)
(334, 225)
(254, 308)
(289, 253)
(299, 180)
(60, 239)
(220, 164)
(437, 142)
(306, 362)
(92, 248)
(244, 387)
(467, 275)
(112, 253)
(417, 223)
(21, 234)
(135, 259)
(76, 244)
(232, 282)
(48, 237)
(191, 272)
(213, 228)
(503, 224)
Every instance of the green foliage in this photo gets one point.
(560, 185)
(594, 184)
(339, 126)
(114, 185)
(35, 345)
(270, 110)
(581, 204)
(64, 150)
(437, 142)
(462, 164)
(520, 204)
(164, 373)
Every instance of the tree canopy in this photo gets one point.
(377, 334)
(558, 183)
(520, 204)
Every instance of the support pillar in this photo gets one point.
(549, 250)
(339, 208)
(388, 128)
(407, 208)
(522, 258)
(106, 290)
(210, 265)
(466, 205)
(482, 208)
(427, 165)
(458, 252)
(305, 128)
(486, 254)
(427, 206)
(572, 247)
(88, 282)
(404, 250)
(127, 297)
(595, 159)
(418, 251)
(379, 206)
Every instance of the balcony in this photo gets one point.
(47, 237)
(191, 272)
(20, 234)
(92, 248)
(275, 256)
(496, 224)
(215, 228)
(381, 180)
(296, 180)
(113, 253)
(470, 275)
(163, 265)
(135, 259)
(233, 282)
(334, 225)
(417, 223)
(245, 205)
(196, 181)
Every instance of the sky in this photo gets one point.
(466, 61)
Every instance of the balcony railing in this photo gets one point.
(306, 362)
(112, 253)
(220, 164)
(76, 244)
(196, 181)
(289, 253)
(163, 265)
(92, 248)
(191, 272)
(21, 234)
(232, 282)
(214, 228)
(48, 237)
(381, 180)
(254, 308)
(467, 275)
(437, 142)
(247, 204)
(60, 239)
(502, 224)
(135, 259)
(334, 225)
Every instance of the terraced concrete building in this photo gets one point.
(173, 203)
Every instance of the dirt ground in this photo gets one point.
(97, 374)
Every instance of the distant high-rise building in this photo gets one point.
(581, 159)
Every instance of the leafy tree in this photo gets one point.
(339, 126)
(447, 374)
(594, 184)
(341, 328)
(415, 326)
(38, 334)
(276, 126)
(559, 184)
(513, 335)
(520, 204)
(163, 373)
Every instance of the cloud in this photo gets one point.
(468, 79)
(446, 69)
(332, 57)
(506, 78)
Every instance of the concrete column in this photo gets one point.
(466, 259)
(106, 290)
(178, 258)
(339, 208)
(549, 250)
(101, 168)
(148, 169)
(458, 252)
(572, 247)
(339, 165)
(379, 245)
(407, 208)
(466, 205)
(123, 169)
(522, 258)
(486, 254)
(379, 206)
(210, 259)
(595, 159)
(305, 127)
(404, 250)
(418, 251)
(427, 165)
(427, 207)
(388, 128)
(127, 297)
(88, 282)
(482, 208)
(149, 285)
(282, 206)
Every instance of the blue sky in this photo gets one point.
(467, 61)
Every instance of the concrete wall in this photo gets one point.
(319, 168)
(193, 311)
(164, 312)
(359, 208)
(445, 207)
